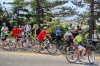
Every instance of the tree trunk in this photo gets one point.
(91, 23)
(38, 12)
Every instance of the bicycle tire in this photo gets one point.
(71, 53)
(34, 48)
(30, 42)
(51, 48)
(12, 45)
(91, 59)
(63, 49)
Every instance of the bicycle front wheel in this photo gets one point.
(12, 44)
(52, 49)
(72, 56)
(63, 49)
(35, 48)
(30, 42)
(91, 57)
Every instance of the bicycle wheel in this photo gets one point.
(12, 45)
(63, 49)
(72, 56)
(30, 42)
(34, 48)
(91, 57)
(52, 49)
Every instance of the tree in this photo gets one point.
(19, 18)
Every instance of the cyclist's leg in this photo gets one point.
(2, 43)
(19, 41)
(6, 38)
(58, 40)
(68, 45)
(95, 44)
(79, 50)
(83, 51)
(39, 45)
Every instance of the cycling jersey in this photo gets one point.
(48, 30)
(16, 32)
(41, 35)
(68, 35)
(5, 28)
(79, 39)
(28, 28)
(58, 32)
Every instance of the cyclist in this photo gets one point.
(78, 41)
(16, 33)
(48, 30)
(78, 29)
(37, 31)
(23, 36)
(68, 37)
(95, 38)
(28, 28)
(58, 35)
(4, 34)
(41, 37)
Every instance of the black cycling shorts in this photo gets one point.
(5, 37)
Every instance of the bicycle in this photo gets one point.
(97, 50)
(29, 40)
(15, 42)
(72, 55)
(51, 48)
(7, 42)
(62, 47)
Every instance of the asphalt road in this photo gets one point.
(13, 58)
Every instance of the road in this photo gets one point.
(19, 58)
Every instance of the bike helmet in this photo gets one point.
(44, 28)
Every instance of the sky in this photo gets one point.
(68, 4)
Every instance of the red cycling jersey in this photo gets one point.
(16, 31)
(41, 35)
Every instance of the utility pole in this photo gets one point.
(38, 12)
(91, 21)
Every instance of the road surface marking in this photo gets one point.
(35, 54)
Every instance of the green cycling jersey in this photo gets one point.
(79, 39)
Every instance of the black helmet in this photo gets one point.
(80, 32)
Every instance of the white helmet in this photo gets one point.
(44, 28)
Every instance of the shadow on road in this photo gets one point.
(88, 64)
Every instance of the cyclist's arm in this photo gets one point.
(25, 28)
(72, 37)
(75, 40)
(65, 37)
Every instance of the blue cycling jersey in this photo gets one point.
(58, 32)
